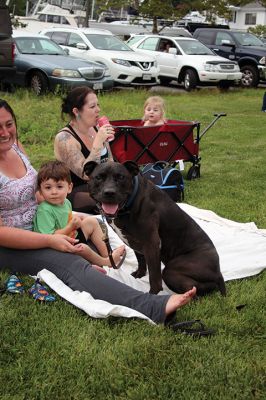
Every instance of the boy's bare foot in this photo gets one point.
(179, 300)
(118, 254)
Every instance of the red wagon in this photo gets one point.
(173, 142)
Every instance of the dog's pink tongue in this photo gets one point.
(109, 209)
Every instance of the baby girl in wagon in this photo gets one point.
(154, 111)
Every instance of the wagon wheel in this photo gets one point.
(193, 172)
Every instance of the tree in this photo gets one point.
(176, 9)
(258, 30)
(151, 9)
(220, 8)
(17, 7)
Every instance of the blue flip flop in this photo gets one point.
(14, 285)
(40, 293)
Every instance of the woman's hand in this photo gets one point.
(81, 247)
(104, 133)
(62, 243)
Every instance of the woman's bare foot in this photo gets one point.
(117, 254)
(179, 300)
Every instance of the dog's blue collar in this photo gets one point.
(134, 192)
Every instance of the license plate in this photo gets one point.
(146, 77)
(97, 86)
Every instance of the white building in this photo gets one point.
(247, 16)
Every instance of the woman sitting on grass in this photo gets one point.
(28, 252)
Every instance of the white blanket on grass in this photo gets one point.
(241, 248)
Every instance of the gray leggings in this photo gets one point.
(77, 273)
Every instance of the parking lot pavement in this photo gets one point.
(175, 88)
(168, 89)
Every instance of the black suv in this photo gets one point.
(6, 44)
(243, 47)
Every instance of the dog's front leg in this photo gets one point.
(142, 266)
(153, 258)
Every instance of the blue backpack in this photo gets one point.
(165, 177)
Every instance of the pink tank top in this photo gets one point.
(17, 197)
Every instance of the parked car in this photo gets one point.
(43, 65)
(187, 61)
(244, 47)
(125, 65)
(7, 67)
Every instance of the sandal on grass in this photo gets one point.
(194, 328)
(40, 293)
(14, 285)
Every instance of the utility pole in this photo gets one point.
(87, 14)
(92, 9)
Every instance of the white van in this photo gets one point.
(126, 66)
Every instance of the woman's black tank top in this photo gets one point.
(76, 180)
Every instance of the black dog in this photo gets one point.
(154, 226)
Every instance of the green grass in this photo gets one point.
(56, 351)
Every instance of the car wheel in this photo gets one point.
(38, 83)
(190, 80)
(250, 77)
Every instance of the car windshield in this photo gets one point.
(107, 42)
(134, 39)
(193, 47)
(247, 39)
(27, 45)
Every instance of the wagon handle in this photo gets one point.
(217, 116)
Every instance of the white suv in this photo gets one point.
(187, 61)
(126, 66)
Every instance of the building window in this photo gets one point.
(250, 18)
(232, 17)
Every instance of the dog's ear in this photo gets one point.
(132, 167)
(89, 167)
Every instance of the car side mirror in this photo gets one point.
(172, 50)
(81, 46)
(66, 51)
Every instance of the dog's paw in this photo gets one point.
(138, 274)
(156, 290)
